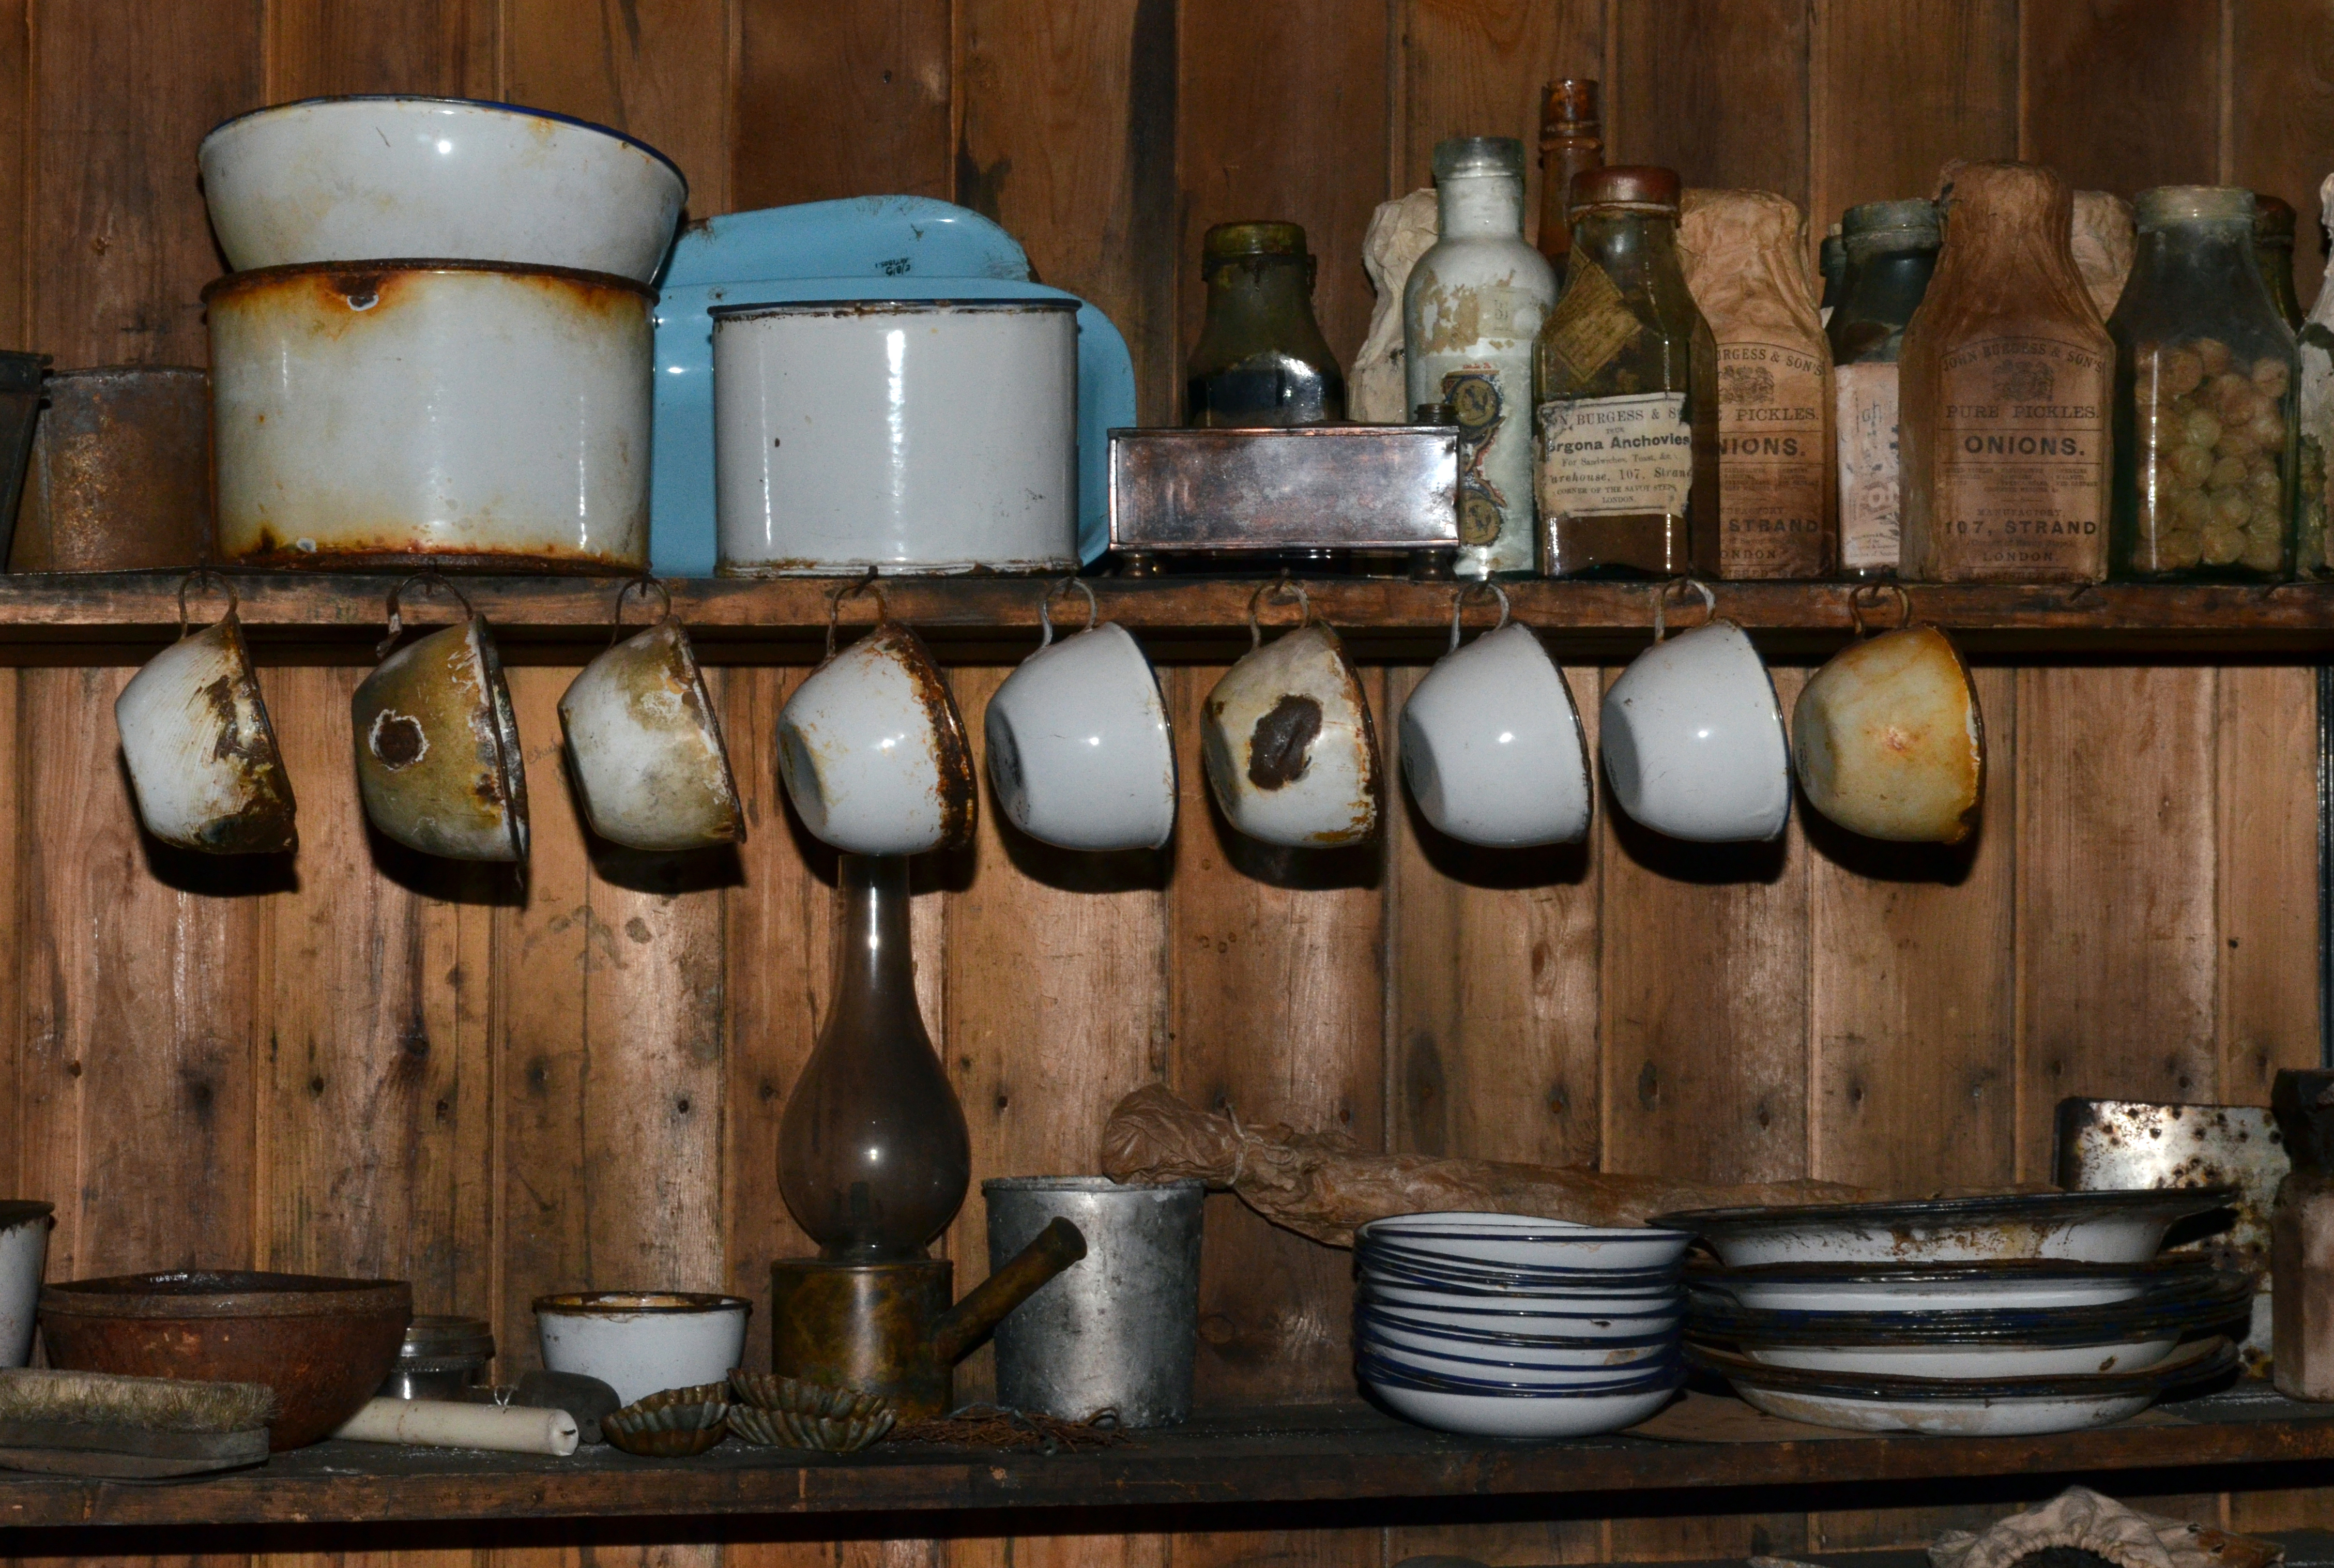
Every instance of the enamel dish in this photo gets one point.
(2100, 1228)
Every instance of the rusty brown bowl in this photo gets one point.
(322, 1344)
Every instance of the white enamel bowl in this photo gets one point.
(872, 750)
(1693, 740)
(1660, 1316)
(1491, 745)
(1537, 1243)
(371, 179)
(1593, 1303)
(1968, 1360)
(643, 1343)
(1969, 1296)
(1079, 751)
(1591, 1356)
(2099, 1227)
(1508, 1416)
(1975, 1418)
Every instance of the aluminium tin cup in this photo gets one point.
(453, 413)
(925, 436)
(120, 472)
(1117, 1332)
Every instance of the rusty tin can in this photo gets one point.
(120, 473)
(466, 415)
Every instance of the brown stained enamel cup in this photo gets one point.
(322, 1344)
(437, 747)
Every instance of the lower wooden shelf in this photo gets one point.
(1289, 1455)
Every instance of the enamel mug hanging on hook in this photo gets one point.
(1491, 742)
(437, 755)
(1292, 758)
(1079, 751)
(202, 756)
(647, 752)
(1887, 736)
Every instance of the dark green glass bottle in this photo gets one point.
(1262, 360)
(1891, 250)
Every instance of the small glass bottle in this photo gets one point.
(1831, 260)
(1571, 141)
(1469, 312)
(1892, 249)
(2204, 398)
(1262, 360)
(1625, 375)
(2273, 224)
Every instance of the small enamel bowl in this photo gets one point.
(643, 1343)
(1694, 741)
(1491, 743)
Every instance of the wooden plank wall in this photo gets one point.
(359, 1061)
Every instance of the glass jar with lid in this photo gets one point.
(1262, 360)
(2273, 225)
(1892, 249)
(1626, 379)
(2207, 373)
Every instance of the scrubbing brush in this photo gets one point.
(97, 1425)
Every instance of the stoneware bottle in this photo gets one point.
(1469, 312)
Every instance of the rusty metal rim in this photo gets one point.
(225, 1294)
(235, 283)
(638, 1303)
(495, 103)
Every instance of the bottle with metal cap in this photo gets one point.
(1571, 141)
(1471, 308)
(1626, 379)
(2273, 225)
(1262, 360)
(1891, 249)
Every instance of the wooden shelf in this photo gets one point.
(1294, 1455)
(340, 618)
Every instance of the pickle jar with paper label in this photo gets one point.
(2005, 378)
(1892, 249)
(2205, 387)
(1625, 377)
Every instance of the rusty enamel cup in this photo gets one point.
(873, 751)
(641, 737)
(1887, 737)
(1291, 756)
(437, 754)
(202, 756)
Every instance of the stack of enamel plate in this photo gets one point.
(2041, 1312)
(1504, 1325)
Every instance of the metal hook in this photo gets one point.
(842, 591)
(1304, 604)
(616, 616)
(1660, 603)
(188, 581)
(397, 616)
(1459, 602)
(1856, 598)
(1045, 606)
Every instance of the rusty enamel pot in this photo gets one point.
(1888, 741)
(202, 756)
(322, 1344)
(644, 745)
(471, 414)
(1292, 755)
(438, 752)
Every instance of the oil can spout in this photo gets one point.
(964, 1325)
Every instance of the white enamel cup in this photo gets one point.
(1291, 756)
(1079, 751)
(873, 751)
(1692, 737)
(1492, 742)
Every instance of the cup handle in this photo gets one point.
(835, 598)
(1278, 584)
(1045, 608)
(616, 615)
(397, 618)
(1863, 593)
(1661, 602)
(1458, 602)
(201, 573)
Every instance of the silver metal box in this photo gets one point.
(1380, 488)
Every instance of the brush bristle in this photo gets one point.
(155, 1404)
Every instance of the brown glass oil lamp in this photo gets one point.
(873, 1162)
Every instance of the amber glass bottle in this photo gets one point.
(872, 1156)
(1571, 141)
(1261, 359)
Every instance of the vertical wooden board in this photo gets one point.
(1715, 89)
(2122, 94)
(1495, 957)
(2281, 114)
(2267, 863)
(316, 47)
(2293, 1508)
(1687, 1537)
(1910, 990)
(1705, 1000)
(1899, 89)
(1066, 131)
(1534, 1541)
(1363, 1548)
(1277, 988)
(541, 1090)
(143, 970)
(19, 126)
(122, 247)
(1057, 1002)
(2116, 945)
(1477, 68)
(1283, 113)
(1062, 1551)
(836, 101)
(656, 69)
